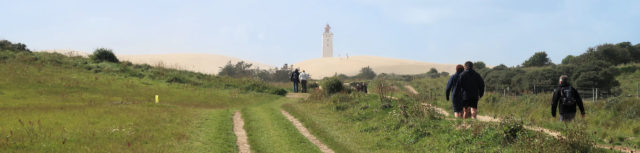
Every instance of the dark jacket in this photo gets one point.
(471, 85)
(565, 109)
(295, 76)
(452, 90)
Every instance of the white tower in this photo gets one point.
(327, 42)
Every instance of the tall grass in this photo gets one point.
(356, 123)
(53, 103)
(610, 121)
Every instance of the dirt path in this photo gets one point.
(306, 133)
(241, 135)
(552, 133)
(298, 95)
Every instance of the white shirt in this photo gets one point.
(304, 76)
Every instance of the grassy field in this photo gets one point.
(269, 131)
(612, 121)
(358, 123)
(49, 107)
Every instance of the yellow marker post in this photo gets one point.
(157, 100)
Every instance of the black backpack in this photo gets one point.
(568, 99)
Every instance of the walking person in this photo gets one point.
(471, 85)
(456, 96)
(295, 78)
(303, 81)
(566, 98)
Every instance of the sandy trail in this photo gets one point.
(298, 95)
(306, 133)
(241, 135)
(552, 133)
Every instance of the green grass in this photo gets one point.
(612, 121)
(356, 123)
(213, 133)
(61, 108)
(269, 131)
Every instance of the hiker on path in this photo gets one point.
(295, 78)
(566, 97)
(303, 81)
(471, 85)
(456, 96)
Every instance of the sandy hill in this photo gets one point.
(325, 67)
(198, 62)
(205, 63)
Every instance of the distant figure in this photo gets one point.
(303, 80)
(456, 96)
(567, 98)
(295, 78)
(471, 85)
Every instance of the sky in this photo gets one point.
(289, 31)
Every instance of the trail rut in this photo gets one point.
(241, 135)
(306, 133)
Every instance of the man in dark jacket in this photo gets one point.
(566, 97)
(456, 97)
(295, 78)
(471, 86)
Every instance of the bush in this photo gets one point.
(511, 128)
(280, 92)
(104, 55)
(332, 85)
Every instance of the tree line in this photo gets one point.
(596, 68)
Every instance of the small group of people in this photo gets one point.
(299, 78)
(466, 87)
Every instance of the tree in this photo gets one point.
(568, 59)
(538, 59)
(433, 73)
(479, 65)
(500, 67)
(104, 55)
(240, 69)
(366, 73)
(595, 74)
(7, 45)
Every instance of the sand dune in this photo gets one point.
(318, 68)
(204, 63)
(325, 67)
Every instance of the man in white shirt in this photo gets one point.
(303, 80)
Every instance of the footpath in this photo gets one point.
(552, 133)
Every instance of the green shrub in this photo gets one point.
(104, 55)
(511, 128)
(332, 85)
(279, 91)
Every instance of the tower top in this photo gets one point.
(327, 28)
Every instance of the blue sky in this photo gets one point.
(289, 31)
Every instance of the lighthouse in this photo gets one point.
(327, 42)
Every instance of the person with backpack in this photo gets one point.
(295, 78)
(303, 81)
(456, 97)
(471, 86)
(566, 98)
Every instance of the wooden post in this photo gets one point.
(593, 94)
(596, 93)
